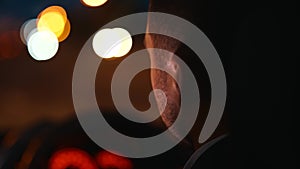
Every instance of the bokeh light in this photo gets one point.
(66, 32)
(126, 42)
(93, 3)
(57, 9)
(104, 43)
(71, 158)
(55, 19)
(108, 43)
(108, 160)
(52, 21)
(42, 35)
(42, 45)
(26, 28)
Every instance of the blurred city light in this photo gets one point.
(43, 45)
(26, 28)
(126, 42)
(52, 21)
(43, 34)
(108, 43)
(66, 32)
(54, 18)
(108, 160)
(57, 9)
(71, 158)
(93, 3)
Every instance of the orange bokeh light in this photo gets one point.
(57, 9)
(54, 18)
(66, 32)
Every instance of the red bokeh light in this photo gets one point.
(108, 160)
(71, 158)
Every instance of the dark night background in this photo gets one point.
(248, 35)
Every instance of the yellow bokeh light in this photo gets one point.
(52, 21)
(57, 9)
(93, 3)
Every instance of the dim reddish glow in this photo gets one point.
(71, 157)
(10, 44)
(108, 160)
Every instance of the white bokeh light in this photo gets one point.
(104, 43)
(108, 43)
(43, 45)
(126, 42)
(26, 28)
(94, 3)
